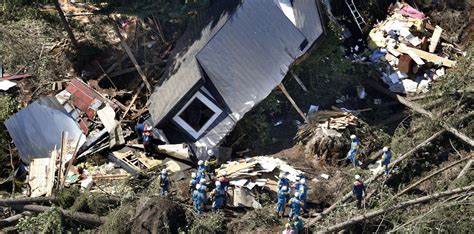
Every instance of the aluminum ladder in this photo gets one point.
(355, 13)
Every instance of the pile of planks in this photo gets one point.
(333, 119)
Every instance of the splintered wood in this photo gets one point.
(333, 119)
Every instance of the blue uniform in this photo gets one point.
(139, 128)
(192, 184)
(295, 205)
(164, 184)
(218, 196)
(354, 152)
(198, 199)
(303, 191)
(386, 158)
(358, 190)
(281, 201)
(297, 186)
(283, 182)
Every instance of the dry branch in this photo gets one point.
(26, 200)
(13, 219)
(78, 216)
(340, 226)
(465, 169)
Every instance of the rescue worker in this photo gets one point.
(283, 181)
(139, 129)
(282, 194)
(298, 224)
(194, 181)
(303, 191)
(358, 190)
(297, 184)
(386, 158)
(288, 229)
(295, 203)
(354, 153)
(198, 199)
(203, 184)
(201, 169)
(148, 139)
(224, 181)
(217, 196)
(211, 163)
(164, 182)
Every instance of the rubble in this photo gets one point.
(401, 52)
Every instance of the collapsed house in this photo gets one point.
(228, 60)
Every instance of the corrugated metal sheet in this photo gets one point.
(308, 19)
(85, 98)
(36, 129)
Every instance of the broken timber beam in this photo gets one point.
(465, 169)
(78, 216)
(65, 24)
(132, 57)
(299, 81)
(431, 175)
(371, 214)
(420, 110)
(26, 200)
(283, 89)
(426, 56)
(133, 101)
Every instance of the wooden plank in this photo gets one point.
(435, 39)
(427, 56)
(283, 89)
(132, 57)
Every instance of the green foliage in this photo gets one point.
(92, 203)
(67, 197)
(7, 107)
(212, 222)
(46, 222)
(118, 219)
(262, 218)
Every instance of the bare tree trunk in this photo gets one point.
(13, 219)
(431, 175)
(65, 23)
(79, 216)
(465, 169)
(401, 205)
(26, 200)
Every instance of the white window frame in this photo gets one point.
(181, 122)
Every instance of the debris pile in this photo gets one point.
(409, 52)
(255, 174)
(333, 119)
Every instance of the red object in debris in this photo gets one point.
(411, 12)
(85, 98)
(14, 77)
(405, 63)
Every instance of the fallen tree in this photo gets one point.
(340, 226)
(13, 219)
(78, 216)
(348, 195)
(27, 200)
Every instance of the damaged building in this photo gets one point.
(227, 61)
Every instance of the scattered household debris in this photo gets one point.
(407, 54)
(247, 175)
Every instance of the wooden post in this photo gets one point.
(132, 57)
(65, 23)
(133, 101)
(283, 89)
(299, 81)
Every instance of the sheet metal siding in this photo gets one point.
(183, 72)
(37, 128)
(251, 54)
(308, 19)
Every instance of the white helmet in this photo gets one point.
(210, 152)
(284, 188)
(357, 177)
(298, 178)
(353, 137)
(202, 181)
(193, 175)
(303, 181)
(198, 186)
(200, 162)
(224, 173)
(218, 183)
(149, 128)
(164, 171)
(297, 194)
(385, 149)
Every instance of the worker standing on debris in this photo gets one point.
(148, 139)
(282, 194)
(203, 189)
(224, 181)
(303, 191)
(297, 184)
(211, 163)
(139, 129)
(164, 182)
(354, 153)
(201, 169)
(288, 229)
(358, 190)
(194, 181)
(386, 158)
(198, 199)
(217, 197)
(295, 203)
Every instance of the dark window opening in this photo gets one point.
(304, 44)
(196, 114)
